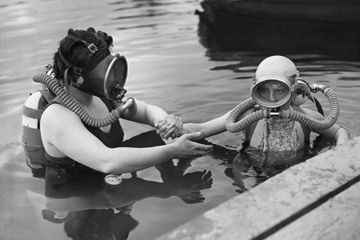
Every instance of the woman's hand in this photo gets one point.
(170, 127)
(184, 147)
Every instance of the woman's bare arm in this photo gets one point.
(147, 113)
(64, 134)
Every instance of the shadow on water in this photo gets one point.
(220, 32)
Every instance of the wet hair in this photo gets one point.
(77, 53)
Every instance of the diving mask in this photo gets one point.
(271, 92)
(103, 74)
(107, 79)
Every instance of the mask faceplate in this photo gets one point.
(107, 79)
(271, 92)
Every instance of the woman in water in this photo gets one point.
(84, 66)
(276, 89)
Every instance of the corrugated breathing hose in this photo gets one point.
(313, 123)
(72, 104)
(232, 125)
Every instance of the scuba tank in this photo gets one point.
(30, 138)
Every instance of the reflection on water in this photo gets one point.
(176, 60)
(141, 207)
(89, 208)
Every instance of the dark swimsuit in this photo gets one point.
(65, 170)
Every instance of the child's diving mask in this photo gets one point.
(271, 92)
(274, 82)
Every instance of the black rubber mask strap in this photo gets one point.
(63, 59)
(66, 80)
(90, 46)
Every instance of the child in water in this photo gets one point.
(275, 91)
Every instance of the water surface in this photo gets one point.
(188, 67)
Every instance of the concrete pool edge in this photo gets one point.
(282, 201)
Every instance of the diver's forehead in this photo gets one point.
(273, 84)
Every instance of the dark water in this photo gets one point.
(194, 69)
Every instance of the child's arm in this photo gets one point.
(217, 125)
(209, 128)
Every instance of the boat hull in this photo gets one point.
(290, 10)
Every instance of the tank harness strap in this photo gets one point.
(32, 113)
(318, 106)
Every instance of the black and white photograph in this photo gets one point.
(179, 119)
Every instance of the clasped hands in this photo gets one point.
(172, 130)
(170, 127)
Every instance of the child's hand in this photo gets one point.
(171, 126)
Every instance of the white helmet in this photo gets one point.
(274, 68)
